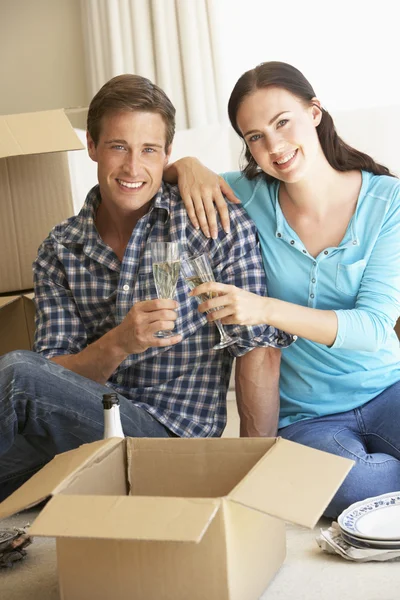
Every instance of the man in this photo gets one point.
(97, 311)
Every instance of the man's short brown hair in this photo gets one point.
(130, 93)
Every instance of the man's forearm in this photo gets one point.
(135, 334)
(98, 360)
(257, 392)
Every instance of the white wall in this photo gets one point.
(348, 49)
(42, 62)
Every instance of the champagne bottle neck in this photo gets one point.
(112, 422)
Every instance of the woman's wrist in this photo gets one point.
(173, 170)
(268, 310)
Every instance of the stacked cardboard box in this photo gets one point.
(17, 316)
(35, 195)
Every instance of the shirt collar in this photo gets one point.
(82, 228)
(162, 200)
(350, 237)
(280, 219)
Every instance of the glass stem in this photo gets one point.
(221, 330)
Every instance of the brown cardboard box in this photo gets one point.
(17, 323)
(176, 519)
(35, 187)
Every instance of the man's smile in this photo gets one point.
(133, 185)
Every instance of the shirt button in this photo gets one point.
(148, 225)
(292, 242)
(126, 288)
(120, 378)
(279, 234)
(326, 252)
(314, 263)
(305, 251)
(311, 295)
(354, 242)
(313, 280)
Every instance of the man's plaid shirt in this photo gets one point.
(82, 291)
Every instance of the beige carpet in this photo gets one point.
(307, 574)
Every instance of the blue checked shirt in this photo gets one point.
(82, 290)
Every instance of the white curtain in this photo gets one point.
(172, 42)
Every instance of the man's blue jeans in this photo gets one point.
(369, 435)
(46, 409)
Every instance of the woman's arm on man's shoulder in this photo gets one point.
(203, 192)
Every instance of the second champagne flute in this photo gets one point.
(166, 266)
(198, 270)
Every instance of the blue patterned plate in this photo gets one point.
(375, 518)
(358, 542)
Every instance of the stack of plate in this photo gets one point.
(373, 523)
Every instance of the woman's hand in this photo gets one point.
(200, 189)
(235, 306)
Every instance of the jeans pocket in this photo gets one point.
(348, 277)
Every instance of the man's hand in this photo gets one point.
(134, 335)
(136, 332)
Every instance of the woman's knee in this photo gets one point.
(344, 497)
(367, 478)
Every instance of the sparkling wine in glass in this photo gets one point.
(166, 266)
(198, 270)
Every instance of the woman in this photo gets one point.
(328, 218)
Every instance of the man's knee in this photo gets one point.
(19, 361)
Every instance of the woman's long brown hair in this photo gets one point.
(340, 155)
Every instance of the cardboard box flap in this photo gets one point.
(5, 300)
(126, 518)
(292, 482)
(37, 133)
(54, 476)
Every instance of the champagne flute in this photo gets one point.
(166, 266)
(198, 270)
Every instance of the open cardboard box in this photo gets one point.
(35, 187)
(17, 323)
(176, 519)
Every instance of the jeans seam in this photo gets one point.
(361, 426)
(384, 440)
(365, 432)
(341, 445)
(58, 409)
(358, 458)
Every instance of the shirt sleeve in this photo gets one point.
(236, 259)
(242, 187)
(59, 328)
(367, 326)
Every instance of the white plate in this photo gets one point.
(358, 542)
(375, 518)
